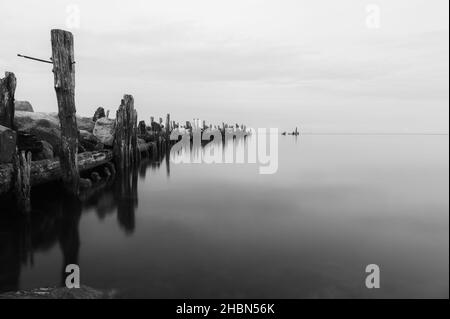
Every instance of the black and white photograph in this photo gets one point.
(224, 155)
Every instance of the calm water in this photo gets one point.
(337, 204)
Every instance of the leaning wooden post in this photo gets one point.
(64, 74)
(22, 185)
(7, 91)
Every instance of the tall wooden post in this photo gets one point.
(125, 140)
(168, 129)
(64, 74)
(7, 91)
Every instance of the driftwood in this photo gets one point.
(64, 74)
(50, 170)
(7, 91)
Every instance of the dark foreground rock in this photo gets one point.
(45, 154)
(62, 293)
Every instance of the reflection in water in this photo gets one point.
(336, 204)
(55, 218)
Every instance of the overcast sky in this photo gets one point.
(326, 65)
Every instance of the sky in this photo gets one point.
(348, 66)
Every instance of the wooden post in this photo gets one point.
(168, 128)
(134, 144)
(7, 91)
(8, 143)
(22, 177)
(125, 141)
(64, 74)
(142, 128)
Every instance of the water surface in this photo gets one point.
(336, 204)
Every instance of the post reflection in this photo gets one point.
(55, 217)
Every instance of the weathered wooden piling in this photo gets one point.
(8, 142)
(168, 128)
(7, 91)
(125, 141)
(64, 74)
(22, 180)
(142, 128)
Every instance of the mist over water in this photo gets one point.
(335, 205)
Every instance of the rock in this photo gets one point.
(104, 130)
(85, 124)
(28, 142)
(100, 113)
(24, 106)
(45, 154)
(46, 127)
(83, 292)
(89, 142)
(8, 140)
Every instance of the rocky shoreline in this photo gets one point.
(84, 292)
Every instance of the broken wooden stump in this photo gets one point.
(8, 140)
(22, 177)
(7, 91)
(142, 128)
(125, 140)
(64, 74)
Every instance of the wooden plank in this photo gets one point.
(64, 74)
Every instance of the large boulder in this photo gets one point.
(24, 106)
(45, 154)
(89, 142)
(46, 127)
(104, 130)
